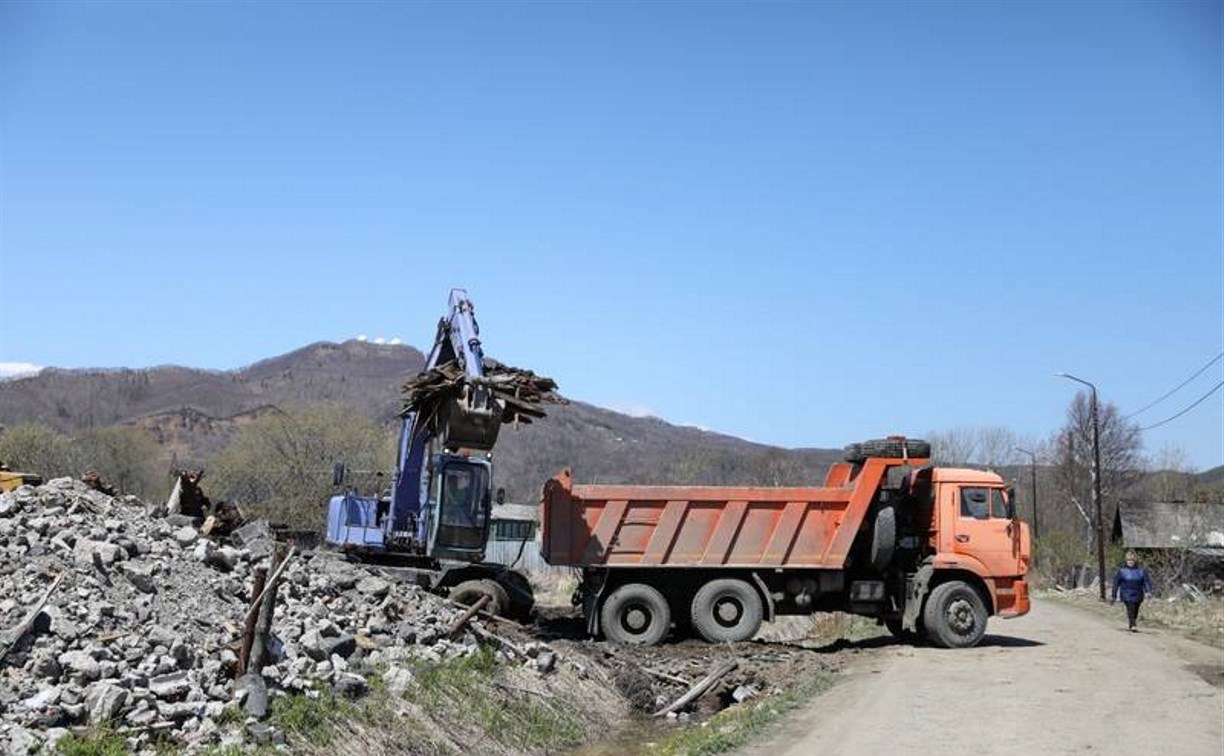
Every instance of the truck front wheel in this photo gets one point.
(954, 616)
(727, 610)
(635, 614)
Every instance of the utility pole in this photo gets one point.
(1033, 471)
(1096, 480)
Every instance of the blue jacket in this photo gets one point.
(1132, 583)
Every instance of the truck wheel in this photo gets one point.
(894, 448)
(522, 595)
(954, 616)
(635, 614)
(469, 592)
(727, 610)
(884, 538)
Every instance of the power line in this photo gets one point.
(1201, 370)
(1192, 406)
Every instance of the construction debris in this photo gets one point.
(114, 618)
(187, 498)
(520, 392)
(92, 479)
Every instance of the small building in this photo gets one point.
(514, 538)
(1188, 533)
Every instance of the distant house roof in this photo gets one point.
(528, 512)
(1169, 525)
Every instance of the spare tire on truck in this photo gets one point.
(884, 537)
(891, 448)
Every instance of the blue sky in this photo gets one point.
(892, 217)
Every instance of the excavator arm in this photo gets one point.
(469, 420)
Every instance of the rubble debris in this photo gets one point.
(9, 638)
(92, 479)
(187, 498)
(521, 392)
(138, 621)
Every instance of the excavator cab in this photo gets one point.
(461, 506)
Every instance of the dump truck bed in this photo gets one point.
(684, 526)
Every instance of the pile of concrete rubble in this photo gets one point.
(114, 614)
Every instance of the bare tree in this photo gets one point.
(957, 446)
(1171, 476)
(1121, 463)
(996, 446)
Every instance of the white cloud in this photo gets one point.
(380, 340)
(396, 341)
(362, 337)
(18, 369)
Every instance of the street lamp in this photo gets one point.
(1096, 480)
(1033, 469)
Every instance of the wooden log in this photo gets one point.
(267, 607)
(698, 690)
(248, 629)
(276, 573)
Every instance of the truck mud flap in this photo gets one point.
(916, 591)
(769, 601)
(591, 599)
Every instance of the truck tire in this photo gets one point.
(894, 448)
(884, 537)
(520, 592)
(636, 615)
(469, 592)
(954, 615)
(727, 610)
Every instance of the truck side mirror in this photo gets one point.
(338, 474)
(501, 496)
(1011, 503)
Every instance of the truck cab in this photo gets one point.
(970, 538)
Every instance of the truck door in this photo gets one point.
(984, 531)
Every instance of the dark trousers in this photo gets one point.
(1132, 612)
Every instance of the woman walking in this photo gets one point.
(1132, 583)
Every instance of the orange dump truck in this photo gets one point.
(930, 552)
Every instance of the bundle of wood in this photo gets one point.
(521, 392)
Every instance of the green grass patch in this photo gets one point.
(735, 726)
(468, 693)
(100, 743)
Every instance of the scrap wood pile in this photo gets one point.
(694, 680)
(520, 392)
(116, 615)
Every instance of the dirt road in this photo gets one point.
(1057, 681)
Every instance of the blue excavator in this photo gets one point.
(433, 524)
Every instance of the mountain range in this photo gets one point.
(194, 413)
